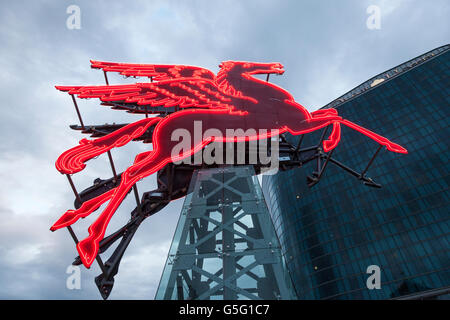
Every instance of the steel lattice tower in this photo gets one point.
(225, 246)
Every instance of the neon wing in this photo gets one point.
(144, 97)
(157, 72)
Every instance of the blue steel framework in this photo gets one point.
(332, 232)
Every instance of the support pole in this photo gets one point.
(325, 164)
(322, 137)
(73, 188)
(299, 143)
(74, 236)
(72, 233)
(111, 162)
(228, 247)
(370, 162)
(138, 201)
(78, 111)
(106, 77)
(319, 165)
(100, 264)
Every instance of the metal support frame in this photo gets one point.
(77, 110)
(225, 244)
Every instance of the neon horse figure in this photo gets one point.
(234, 99)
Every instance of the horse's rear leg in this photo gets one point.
(145, 164)
(335, 136)
(88, 247)
(391, 146)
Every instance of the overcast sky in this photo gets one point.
(325, 46)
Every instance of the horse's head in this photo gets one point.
(249, 68)
(229, 78)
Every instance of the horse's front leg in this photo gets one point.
(88, 247)
(335, 136)
(89, 206)
(145, 164)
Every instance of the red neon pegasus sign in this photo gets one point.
(232, 99)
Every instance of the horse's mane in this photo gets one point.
(222, 82)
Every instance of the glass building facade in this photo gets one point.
(330, 233)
